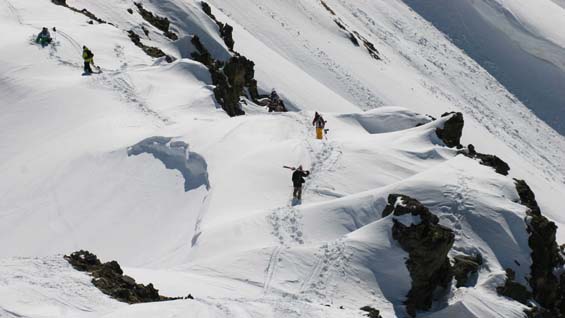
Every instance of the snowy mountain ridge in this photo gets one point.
(141, 164)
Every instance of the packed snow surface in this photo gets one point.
(206, 208)
(520, 42)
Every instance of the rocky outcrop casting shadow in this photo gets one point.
(175, 155)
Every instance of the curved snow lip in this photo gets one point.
(387, 119)
(175, 155)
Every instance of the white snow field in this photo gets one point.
(238, 245)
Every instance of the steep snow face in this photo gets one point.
(233, 238)
(518, 42)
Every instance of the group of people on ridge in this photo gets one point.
(44, 38)
(275, 104)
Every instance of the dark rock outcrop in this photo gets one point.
(373, 52)
(84, 12)
(452, 130)
(465, 267)
(492, 161)
(548, 289)
(225, 30)
(109, 278)
(231, 78)
(327, 7)
(161, 23)
(513, 289)
(427, 244)
(152, 51)
(353, 36)
(371, 312)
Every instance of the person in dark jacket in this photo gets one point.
(44, 37)
(88, 58)
(275, 104)
(297, 180)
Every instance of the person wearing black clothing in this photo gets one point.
(44, 37)
(297, 180)
(88, 58)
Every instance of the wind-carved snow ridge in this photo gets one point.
(175, 155)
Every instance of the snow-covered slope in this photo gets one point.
(71, 179)
(519, 42)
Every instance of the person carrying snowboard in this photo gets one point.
(297, 180)
(44, 37)
(88, 58)
(319, 123)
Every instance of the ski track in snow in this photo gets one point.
(271, 268)
(324, 154)
(355, 88)
(332, 259)
(14, 11)
(286, 222)
(461, 197)
(118, 81)
(287, 226)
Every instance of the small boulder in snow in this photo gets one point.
(465, 267)
(492, 161)
(513, 289)
(371, 312)
(452, 130)
(109, 278)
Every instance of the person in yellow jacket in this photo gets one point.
(319, 123)
(88, 58)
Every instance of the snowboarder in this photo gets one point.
(88, 58)
(319, 123)
(44, 37)
(297, 180)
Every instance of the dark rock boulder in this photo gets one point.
(547, 288)
(202, 54)
(161, 23)
(152, 51)
(527, 196)
(83, 261)
(492, 161)
(452, 130)
(84, 12)
(371, 312)
(225, 30)
(514, 290)
(427, 244)
(109, 278)
(402, 204)
(231, 78)
(465, 267)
